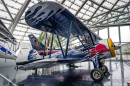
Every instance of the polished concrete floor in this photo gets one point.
(62, 76)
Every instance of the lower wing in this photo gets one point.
(45, 63)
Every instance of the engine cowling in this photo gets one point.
(104, 48)
(107, 48)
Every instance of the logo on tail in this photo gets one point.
(35, 45)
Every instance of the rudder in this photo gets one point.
(35, 44)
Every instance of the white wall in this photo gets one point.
(23, 55)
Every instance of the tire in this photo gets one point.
(97, 75)
(104, 69)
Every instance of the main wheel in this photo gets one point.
(97, 75)
(104, 69)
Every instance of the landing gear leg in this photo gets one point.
(97, 74)
(104, 69)
(102, 66)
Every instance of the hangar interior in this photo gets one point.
(107, 18)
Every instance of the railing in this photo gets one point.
(8, 80)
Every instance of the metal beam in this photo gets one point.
(12, 21)
(114, 5)
(122, 11)
(81, 7)
(99, 4)
(63, 2)
(19, 14)
(117, 21)
(96, 10)
(7, 9)
(24, 35)
(111, 10)
(111, 18)
(110, 25)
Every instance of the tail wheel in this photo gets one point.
(104, 69)
(97, 75)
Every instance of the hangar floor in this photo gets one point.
(62, 76)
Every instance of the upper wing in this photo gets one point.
(50, 16)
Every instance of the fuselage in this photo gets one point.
(100, 49)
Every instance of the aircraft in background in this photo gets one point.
(5, 53)
(54, 18)
(5, 37)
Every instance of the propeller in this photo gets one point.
(116, 47)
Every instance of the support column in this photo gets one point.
(18, 16)
(110, 58)
(110, 65)
(98, 31)
(108, 32)
(121, 59)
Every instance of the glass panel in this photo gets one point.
(125, 33)
(103, 33)
(26, 38)
(114, 34)
(125, 51)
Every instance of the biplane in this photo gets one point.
(54, 18)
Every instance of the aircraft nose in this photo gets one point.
(116, 47)
(111, 46)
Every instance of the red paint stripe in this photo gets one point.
(35, 44)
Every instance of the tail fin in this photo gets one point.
(34, 43)
(33, 55)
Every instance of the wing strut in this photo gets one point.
(81, 42)
(45, 46)
(51, 44)
(68, 39)
(59, 43)
(91, 38)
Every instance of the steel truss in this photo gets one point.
(116, 15)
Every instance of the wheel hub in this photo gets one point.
(103, 69)
(96, 75)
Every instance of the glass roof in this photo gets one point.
(91, 12)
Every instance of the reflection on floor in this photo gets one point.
(62, 76)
